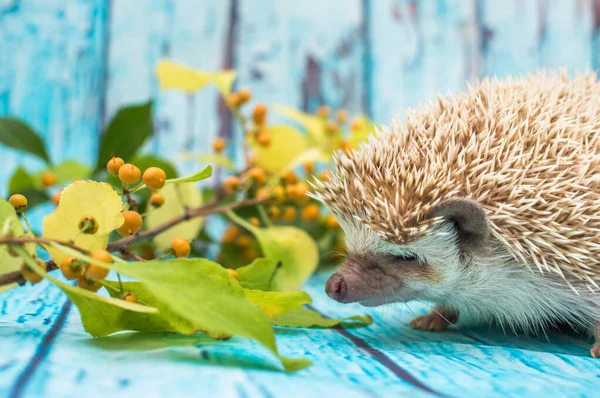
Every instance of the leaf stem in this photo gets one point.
(264, 216)
(27, 222)
(120, 283)
(240, 221)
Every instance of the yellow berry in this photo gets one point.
(289, 214)
(310, 212)
(332, 127)
(258, 175)
(356, 125)
(309, 168)
(262, 193)
(278, 194)
(88, 284)
(71, 268)
(129, 173)
(48, 179)
(259, 115)
(244, 241)
(231, 234)
(233, 273)
(331, 222)
(30, 275)
(254, 221)
(88, 225)
(342, 116)
(263, 137)
(231, 185)
(132, 224)
(157, 200)
(154, 178)
(96, 272)
(300, 192)
(19, 202)
(245, 96)
(234, 100)
(274, 212)
(218, 145)
(289, 177)
(180, 247)
(114, 165)
(130, 297)
(324, 111)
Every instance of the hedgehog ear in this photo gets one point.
(469, 218)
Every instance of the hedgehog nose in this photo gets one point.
(336, 287)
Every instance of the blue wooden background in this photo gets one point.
(67, 66)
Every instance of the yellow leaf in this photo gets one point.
(80, 199)
(179, 77)
(315, 126)
(176, 197)
(286, 144)
(362, 133)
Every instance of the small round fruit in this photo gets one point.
(332, 127)
(278, 194)
(254, 221)
(357, 124)
(260, 114)
(129, 173)
(310, 212)
(233, 273)
(88, 225)
(114, 165)
(274, 212)
(56, 198)
(19, 202)
(309, 168)
(180, 247)
(231, 185)
(130, 297)
(258, 175)
(263, 137)
(157, 200)
(132, 224)
(325, 176)
(48, 179)
(88, 284)
(324, 111)
(289, 214)
(30, 275)
(331, 222)
(234, 100)
(231, 234)
(342, 116)
(289, 177)
(244, 241)
(71, 268)
(218, 145)
(250, 161)
(97, 272)
(346, 147)
(245, 96)
(250, 255)
(262, 193)
(154, 178)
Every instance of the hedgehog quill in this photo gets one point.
(486, 203)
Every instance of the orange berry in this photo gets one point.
(309, 168)
(254, 221)
(114, 165)
(132, 224)
(289, 214)
(231, 234)
(278, 194)
(218, 145)
(263, 137)
(154, 178)
(244, 241)
(357, 124)
(262, 193)
(157, 200)
(234, 100)
(180, 247)
(71, 268)
(346, 147)
(97, 272)
(130, 297)
(325, 176)
(56, 198)
(19, 202)
(260, 114)
(310, 212)
(88, 225)
(331, 222)
(30, 275)
(129, 173)
(250, 255)
(289, 177)
(258, 175)
(324, 111)
(332, 127)
(88, 284)
(245, 96)
(233, 273)
(48, 179)
(274, 212)
(231, 185)
(300, 192)
(342, 116)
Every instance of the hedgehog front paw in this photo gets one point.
(435, 321)
(595, 351)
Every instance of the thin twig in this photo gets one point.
(10, 240)
(187, 215)
(16, 277)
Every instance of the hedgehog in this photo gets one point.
(485, 203)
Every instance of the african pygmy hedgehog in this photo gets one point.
(486, 203)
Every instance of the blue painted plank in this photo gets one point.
(51, 75)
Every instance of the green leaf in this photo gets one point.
(17, 135)
(294, 248)
(304, 318)
(275, 304)
(146, 161)
(20, 181)
(201, 175)
(126, 133)
(259, 274)
(67, 171)
(212, 158)
(177, 198)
